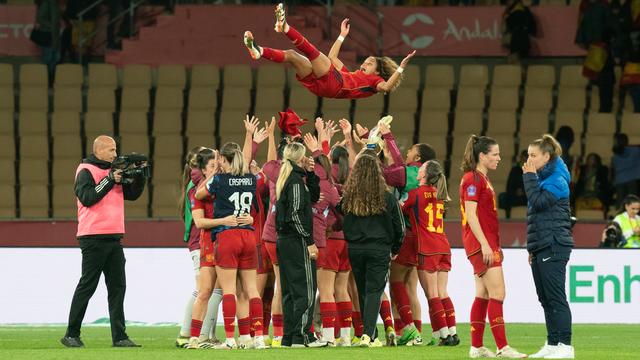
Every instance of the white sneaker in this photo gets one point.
(228, 344)
(544, 351)
(317, 344)
(206, 344)
(193, 343)
(343, 342)
(259, 343)
(365, 340)
(480, 352)
(245, 342)
(251, 45)
(281, 21)
(510, 353)
(562, 352)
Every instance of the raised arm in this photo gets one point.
(345, 125)
(250, 125)
(335, 48)
(386, 86)
(272, 152)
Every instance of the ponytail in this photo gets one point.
(475, 146)
(190, 163)
(340, 156)
(231, 153)
(435, 177)
(548, 145)
(292, 153)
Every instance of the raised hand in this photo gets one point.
(345, 125)
(319, 124)
(405, 61)
(251, 124)
(330, 129)
(345, 27)
(260, 135)
(361, 130)
(270, 126)
(383, 128)
(311, 142)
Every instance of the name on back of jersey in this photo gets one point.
(244, 181)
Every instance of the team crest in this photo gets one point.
(471, 190)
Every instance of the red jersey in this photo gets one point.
(271, 170)
(426, 212)
(207, 206)
(476, 187)
(259, 217)
(342, 84)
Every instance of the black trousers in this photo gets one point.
(298, 284)
(100, 256)
(370, 269)
(549, 269)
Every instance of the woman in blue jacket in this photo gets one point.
(549, 240)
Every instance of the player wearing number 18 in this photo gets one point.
(234, 190)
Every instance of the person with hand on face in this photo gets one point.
(297, 189)
(100, 198)
(480, 236)
(549, 240)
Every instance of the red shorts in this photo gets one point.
(206, 249)
(479, 267)
(334, 257)
(328, 85)
(264, 263)
(408, 255)
(434, 262)
(271, 251)
(236, 249)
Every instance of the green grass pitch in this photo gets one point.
(591, 342)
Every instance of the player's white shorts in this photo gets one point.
(195, 257)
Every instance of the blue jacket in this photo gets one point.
(549, 212)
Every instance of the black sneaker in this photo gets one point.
(448, 341)
(125, 343)
(455, 340)
(72, 342)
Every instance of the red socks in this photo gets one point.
(255, 313)
(437, 314)
(401, 298)
(229, 313)
(196, 326)
(302, 44)
(385, 314)
(344, 314)
(450, 311)
(274, 55)
(244, 327)
(418, 324)
(358, 325)
(267, 298)
(277, 325)
(328, 312)
(398, 325)
(496, 320)
(478, 319)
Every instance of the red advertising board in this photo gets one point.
(16, 23)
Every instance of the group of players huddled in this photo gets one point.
(229, 206)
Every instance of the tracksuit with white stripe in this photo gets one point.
(294, 224)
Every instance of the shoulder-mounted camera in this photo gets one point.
(132, 165)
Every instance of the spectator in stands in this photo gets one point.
(100, 195)
(116, 7)
(565, 137)
(626, 167)
(594, 35)
(514, 196)
(87, 26)
(518, 24)
(48, 21)
(629, 222)
(620, 27)
(593, 189)
(631, 68)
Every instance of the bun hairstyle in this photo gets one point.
(435, 177)
(548, 145)
(475, 146)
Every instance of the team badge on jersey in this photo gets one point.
(471, 190)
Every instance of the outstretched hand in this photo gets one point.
(345, 27)
(345, 125)
(251, 124)
(405, 61)
(270, 127)
(260, 135)
(311, 142)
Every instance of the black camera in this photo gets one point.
(612, 236)
(132, 166)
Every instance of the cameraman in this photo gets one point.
(100, 199)
(612, 236)
(629, 222)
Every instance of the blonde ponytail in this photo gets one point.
(292, 153)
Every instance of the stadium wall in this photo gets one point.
(37, 285)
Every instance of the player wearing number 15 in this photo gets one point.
(234, 190)
(482, 245)
(425, 207)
